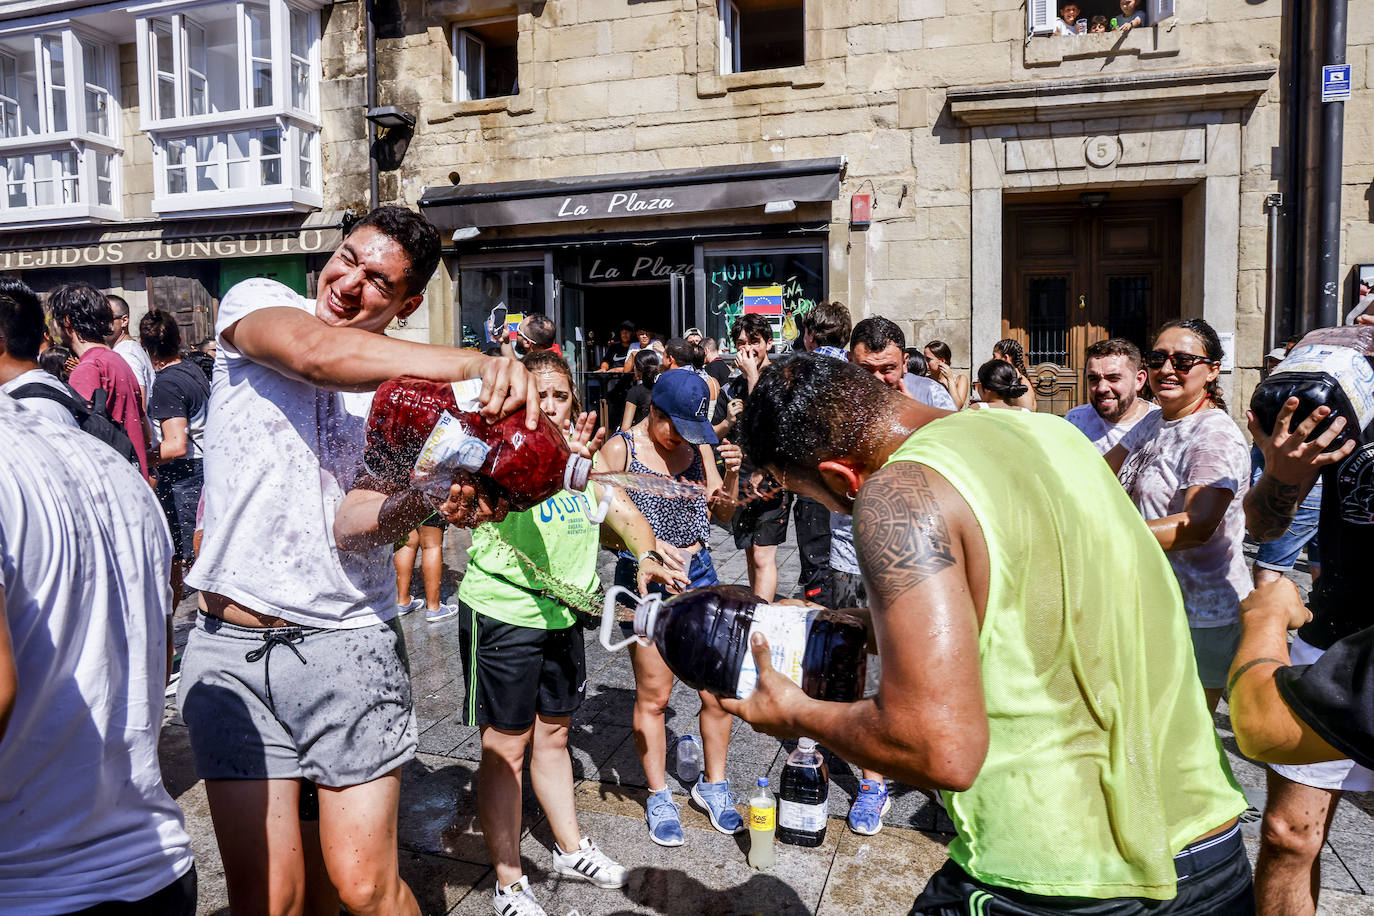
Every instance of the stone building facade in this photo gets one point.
(953, 167)
(975, 138)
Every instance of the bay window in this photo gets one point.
(230, 101)
(59, 130)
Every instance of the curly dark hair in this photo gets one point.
(415, 234)
(85, 308)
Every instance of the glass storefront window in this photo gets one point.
(481, 288)
(759, 277)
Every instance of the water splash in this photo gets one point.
(658, 485)
(579, 599)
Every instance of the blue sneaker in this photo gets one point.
(716, 799)
(665, 826)
(866, 814)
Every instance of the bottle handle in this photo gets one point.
(603, 508)
(608, 619)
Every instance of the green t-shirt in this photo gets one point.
(558, 537)
(1103, 762)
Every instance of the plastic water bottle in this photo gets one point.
(802, 797)
(689, 759)
(703, 636)
(762, 821)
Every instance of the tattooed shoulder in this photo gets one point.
(900, 530)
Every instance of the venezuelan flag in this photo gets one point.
(763, 300)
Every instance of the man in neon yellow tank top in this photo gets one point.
(1036, 659)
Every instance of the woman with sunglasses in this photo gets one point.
(1187, 467)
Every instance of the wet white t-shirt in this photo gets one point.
(279, 456)
(83, 563)
(1205, 449)
(1103, 435)
(140, 363)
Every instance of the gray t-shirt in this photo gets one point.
(1103, 435)
(1204, 449)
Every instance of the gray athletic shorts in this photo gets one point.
(332, 706)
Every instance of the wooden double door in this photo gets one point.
(1075, 275)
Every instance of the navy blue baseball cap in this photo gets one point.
(683, 396)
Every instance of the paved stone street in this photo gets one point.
(445, 862)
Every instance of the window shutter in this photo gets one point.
(1040, 16)
(1161, 10)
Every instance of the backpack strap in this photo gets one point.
(68, 398)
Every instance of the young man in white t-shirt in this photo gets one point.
(84, 628)
(1116, 377)
(297, 670)
(126, 346)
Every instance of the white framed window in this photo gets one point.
(485, 60)
(761, 34)
(59, 127)
(729, 36)
(232, 98)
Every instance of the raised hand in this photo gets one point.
(584, 437)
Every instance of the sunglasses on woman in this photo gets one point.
(1183, 362)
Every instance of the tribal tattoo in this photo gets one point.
(901, 535)
(1270, 507)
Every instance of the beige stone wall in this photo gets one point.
(138, 147)
(1357, 198)
(611, 86)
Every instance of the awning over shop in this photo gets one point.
(166, 240)
(630, 195)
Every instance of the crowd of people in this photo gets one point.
(1056, 608)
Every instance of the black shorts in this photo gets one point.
(762, 523)
(1213, 880)
(844, 590)
(514, 673)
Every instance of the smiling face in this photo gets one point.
(555, 396)
(1069, 12)
(752, 346)
(364, 284)
(1129, 6)
(1113, 386)
(888, 365)
(933, 362)
(1179, 393)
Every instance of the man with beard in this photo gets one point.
(1115, 379)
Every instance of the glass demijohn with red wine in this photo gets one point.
(425, 433)
(703, 636)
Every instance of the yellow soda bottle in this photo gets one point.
(763, 811)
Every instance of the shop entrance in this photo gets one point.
(1075, 275)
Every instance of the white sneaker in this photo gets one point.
(516, 900)
(442, 612)
(590, 863)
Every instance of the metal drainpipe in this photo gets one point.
(371, 39)
(1333, 136)
(1272, 204)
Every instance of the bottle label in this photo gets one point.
(805, 818)
(449, 447)
(466, 394)
(1349, 367)
(786, 629)
(761, 818)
